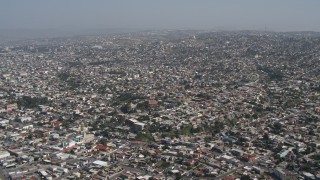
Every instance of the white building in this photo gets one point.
(280, 173)
(4, 154)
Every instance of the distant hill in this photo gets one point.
(19, 34)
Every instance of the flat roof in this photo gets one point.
(100, 163)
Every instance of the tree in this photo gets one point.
(125, 108)
(266, 136)
(66, 123)
(165, 164)
(255, 116)
(186, 129)
(36, 158)
(232, 122)
(218, 126)
(30, 136)
(178, 176)
(245, 177)
(64, 76)
(32, 102)
(105, 133)
(277, 127)
(144, 136)
(165, 147)
(208, 139)
(72, 151)
(143, 106)
(144, 118)
(247, 116)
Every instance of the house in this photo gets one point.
(237, 152)
(127, 175)
(136, 125)
(24, 119)
(12, 107)
(101, 147)
(229, 178)
(27, 127)
(153, 103)
(284, 175)
(4, 154)
(55, 123)
(308, 175)
(257, 169)
(248, 157)
(100, 163)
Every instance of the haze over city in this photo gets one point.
(159, 90)
(81, 16)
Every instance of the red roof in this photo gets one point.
(102, 147)
(24, 134)
(229, 178)
(153, 102)
(55, 123)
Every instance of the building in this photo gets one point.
(136, 125)
(12, 107)
(284, 175)
(237, 152)
(101, 147)
(4, 154)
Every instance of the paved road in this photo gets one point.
(135, 170)
(252, 163)
(90, 159)
(185, 173)
(114, 176)
(3, 174)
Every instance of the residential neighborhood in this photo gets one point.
(169, 104)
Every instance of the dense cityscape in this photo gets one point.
(161, 105)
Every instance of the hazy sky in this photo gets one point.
(279, 15)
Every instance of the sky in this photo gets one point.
(274, 15)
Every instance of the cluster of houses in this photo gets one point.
(223, 105)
